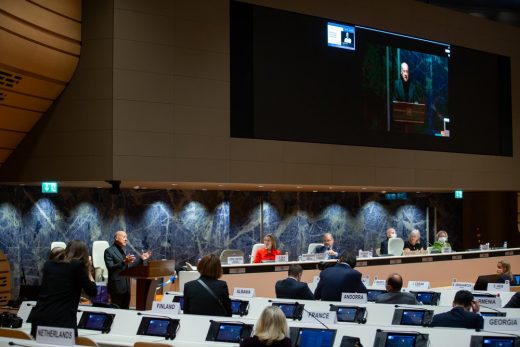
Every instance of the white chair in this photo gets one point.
(256, 247)
(395, 246)
(225, 254)
(98, 256)
(55, 244)
(312, 247)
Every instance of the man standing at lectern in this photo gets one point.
(116, 261)
(405, 89)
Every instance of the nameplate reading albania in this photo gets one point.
(244, 292)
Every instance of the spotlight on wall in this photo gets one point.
(115, 186)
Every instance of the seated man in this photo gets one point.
(390, 234)
(328, 247)
(394, 283)
(460, 315)
(292, 287)
(340, 278)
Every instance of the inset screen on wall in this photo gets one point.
(302, 78)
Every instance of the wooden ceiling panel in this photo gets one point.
(17, 119)
(10, 139)
(24, 101)
(24, 84)
(4, 154)
(70, 8)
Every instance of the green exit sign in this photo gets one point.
(458, 194)
(49, 187)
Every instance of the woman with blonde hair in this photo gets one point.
(270, 330)
(504, 272)
(414, 241)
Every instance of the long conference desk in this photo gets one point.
(439, 269)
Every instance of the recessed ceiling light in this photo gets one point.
(343, 191)
(174, 184)
(22, 184)
(136, 187)
(364, 188)
(299, 187)
(314, 191)
(204, 189)
(260, 186)
(330, 187)
(274, 191)
(383, 191)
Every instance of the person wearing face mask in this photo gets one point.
(441, 240)
(390, 234)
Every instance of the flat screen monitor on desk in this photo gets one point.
(400, 339)
(290, 310)
(372, 294)
(482, 281)
(312, 337)
(494, 341)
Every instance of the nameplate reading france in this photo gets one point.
(166, 307)
(55, 336)
(418, 285)
(235, 260)
(354, 298)
(501, 324)
(379, 284)
(462, 286)
(282, 258)
(326, 317)
(244, 292)
(490, 302)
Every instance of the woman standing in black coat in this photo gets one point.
(63, 279)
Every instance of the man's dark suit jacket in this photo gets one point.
(197, 300)
(323, 249)
(59, 295)
(458, 318)
(514, 302)
(384, 247)
(114, 260)
(400, 92)
(337, 279)
(290, 288)
(402, 298)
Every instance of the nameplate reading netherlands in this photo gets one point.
(314, 317)
(501, 324)
(244, 292)
(418, 285)
(354, 298)
(490, 302)
(166, 307)
(55, 336)
(235, 260)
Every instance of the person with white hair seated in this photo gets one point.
(414, 241)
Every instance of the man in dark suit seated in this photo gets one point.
(328, 247)
(292, 287)
(394, 283)
(340, 278)
(460, 315)
(390, 234)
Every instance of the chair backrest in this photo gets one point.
(55, 244)
(98, 256)
(256, 247)
(395, 246)
(230, 253)
(313, 246)
(151, 344)
(85, 341)
(15, 334)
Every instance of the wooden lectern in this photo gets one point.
(147, 276)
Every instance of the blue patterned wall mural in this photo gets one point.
(183, 225)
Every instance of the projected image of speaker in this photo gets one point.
(427, 298)
(350, 314)
(228, 331)
(291, 310)
(312, 337)
(495, 341)
(417, 317)
(161, 327)
(99, 321)
(400, 339)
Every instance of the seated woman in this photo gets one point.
(441, 240)
(208, 295)
(270, 330)
(414, 241)
(504, 272)
(269, 252)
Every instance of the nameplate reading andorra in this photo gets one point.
(501, 324)
(326, 317)
(462, 286)
(498, 287)
(354, 298)
(490, 302)
(282, 258)
(379, 284)
(244, 292)
(166, 307)
(55, 336)
(235, 260)
(418, 285)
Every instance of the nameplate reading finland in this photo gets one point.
(354, 298)
(501, 324)
(462, 286)
(490, 302)
(166, 307)
(379, 284)
(498, 287)
(282, 258)
(418, 285)
(235, 260)
(55, 336)
(244, 292)
(326, 317)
